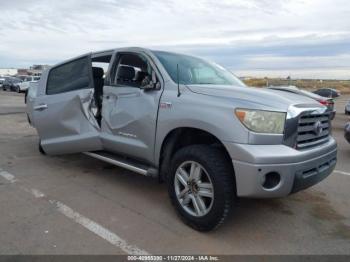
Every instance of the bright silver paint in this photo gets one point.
(65, 124)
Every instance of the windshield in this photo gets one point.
(196, 71)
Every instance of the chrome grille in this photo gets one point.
(313, 130)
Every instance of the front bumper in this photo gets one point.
(297, 169)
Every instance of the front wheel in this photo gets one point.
(41, 149)
(201, 186)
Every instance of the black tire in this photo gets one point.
(25, 96)
(41, 150)
(219, 168)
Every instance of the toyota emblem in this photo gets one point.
(318, 128)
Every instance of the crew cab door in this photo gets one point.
(61, 113)
(130, 107)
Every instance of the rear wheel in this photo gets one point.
(201, 186)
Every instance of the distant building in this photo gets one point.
(37, 70)
(22, 72)
(34, 70)
(39, 67)
(8, 71)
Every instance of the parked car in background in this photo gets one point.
(185, 121)
(6, 85)
(11, 84)
(347, 131)
(328, 102)
(327, 92)
(2, 80)
(23, 86)
(347, 108)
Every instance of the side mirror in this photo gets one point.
(150, 82)
(147, 86)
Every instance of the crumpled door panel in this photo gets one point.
(73, 116)
(68, 124)
(129, 121)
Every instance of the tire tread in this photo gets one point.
(218, 162)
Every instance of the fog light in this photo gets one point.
(272, 179)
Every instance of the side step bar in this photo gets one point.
(121, 162)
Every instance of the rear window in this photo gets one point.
(69, 77)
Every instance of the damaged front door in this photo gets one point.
(63, 115)
(129, 111)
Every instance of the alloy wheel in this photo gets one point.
(194, 188)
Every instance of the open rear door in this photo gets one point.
(62, 115)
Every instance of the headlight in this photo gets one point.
(262, 121)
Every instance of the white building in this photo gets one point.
(8, 71)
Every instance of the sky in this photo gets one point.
(300, 38)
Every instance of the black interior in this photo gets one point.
(98, 76)
(131, 70)
(98, 83)
(125, 74)
(98, 73)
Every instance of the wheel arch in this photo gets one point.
(180, 137)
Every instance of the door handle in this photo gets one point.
(111, 96)
(40, 107)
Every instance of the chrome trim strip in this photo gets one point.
(118, 163)
(296, 110)
(294, 114)
(313, 143)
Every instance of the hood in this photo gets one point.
(269, 98)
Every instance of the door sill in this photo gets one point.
(128, 164)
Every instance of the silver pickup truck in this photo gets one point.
(188, 122)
